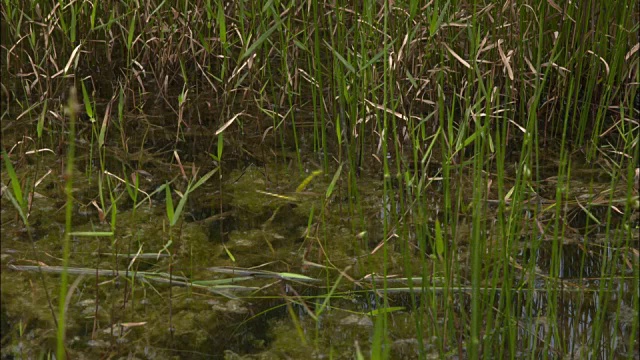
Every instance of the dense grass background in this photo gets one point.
(486, 122)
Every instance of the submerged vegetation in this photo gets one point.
(376, 179)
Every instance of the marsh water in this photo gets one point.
(266, 263)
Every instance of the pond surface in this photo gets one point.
(267, 263)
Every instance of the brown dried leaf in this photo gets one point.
(461, 60)
(505, 60)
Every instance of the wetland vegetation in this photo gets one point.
(292, 180)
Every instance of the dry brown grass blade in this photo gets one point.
(561, 68)
(505, 60)
(228, 123)
(560, 10)
(177, 157)
(633, 50)
(533, 70)
(101, 214)
(248, 63)
(71, 58)
(124, 182)
(381, 244)
(601, 59)
(389, 111)
(461, 60)
(13, 48)
(401, 51)
(482, 48)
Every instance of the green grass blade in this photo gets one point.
(169, 203)
(203, 179)
(332, 185)
(15, 184)
(341, 58)
(87, 102)
(43, 114)
(260, 40)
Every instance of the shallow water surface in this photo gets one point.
(265, 263)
